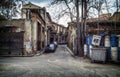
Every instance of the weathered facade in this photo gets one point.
(37, 28)
(12, 37)
(105, 24)
(71, 38)
(33, 25)
(60, 33)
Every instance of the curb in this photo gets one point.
(16, 55)
(69, 51)
(40, 53)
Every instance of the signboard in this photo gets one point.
(96, 40)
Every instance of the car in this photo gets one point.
(56, 44)
(50, 48)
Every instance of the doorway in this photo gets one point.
(38, 36)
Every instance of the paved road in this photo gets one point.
(58, 64)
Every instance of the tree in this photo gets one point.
(8, 8)
(69, 8)
(97, 4)
(85, 6)
(117, 5)
(73, 8)
(79, 28)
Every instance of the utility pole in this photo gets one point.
(78, 29)
(81, 27)
(117, 5)
(84, 18)
(83, 23)
(98, 17)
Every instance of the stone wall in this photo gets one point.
(15, 22)
(27, 38)
(24, 25)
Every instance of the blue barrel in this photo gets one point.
(114, 40)
(119, 53)
(102, 42)
(88, 42)
(88, 50)
(108, 54)
(102, 34)
(113, 37)
(114, 43)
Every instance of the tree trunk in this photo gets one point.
(79, 50)
(83, 24)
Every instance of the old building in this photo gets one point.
(71, 38)
(106, 24)
(35, 30)
(37, 17)
(12, 37)
(60, 33)
(33, 24)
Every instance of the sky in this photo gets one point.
(40, 2)
(54, 10)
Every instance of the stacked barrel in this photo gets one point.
(88, 45)
(119, 47)
(108, 47)
(114, 47)
(111, 43)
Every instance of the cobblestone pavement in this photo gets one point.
(58, 64)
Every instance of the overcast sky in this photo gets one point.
(40, 2)
(52, 10)
(55, 10)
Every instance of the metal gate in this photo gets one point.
(11, 43)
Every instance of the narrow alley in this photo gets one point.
(58, 64)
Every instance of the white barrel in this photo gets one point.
(107, 41)
(118, 40)
(85, 49)
(90, 51)
(114, 53)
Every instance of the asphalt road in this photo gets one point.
(58, 64)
